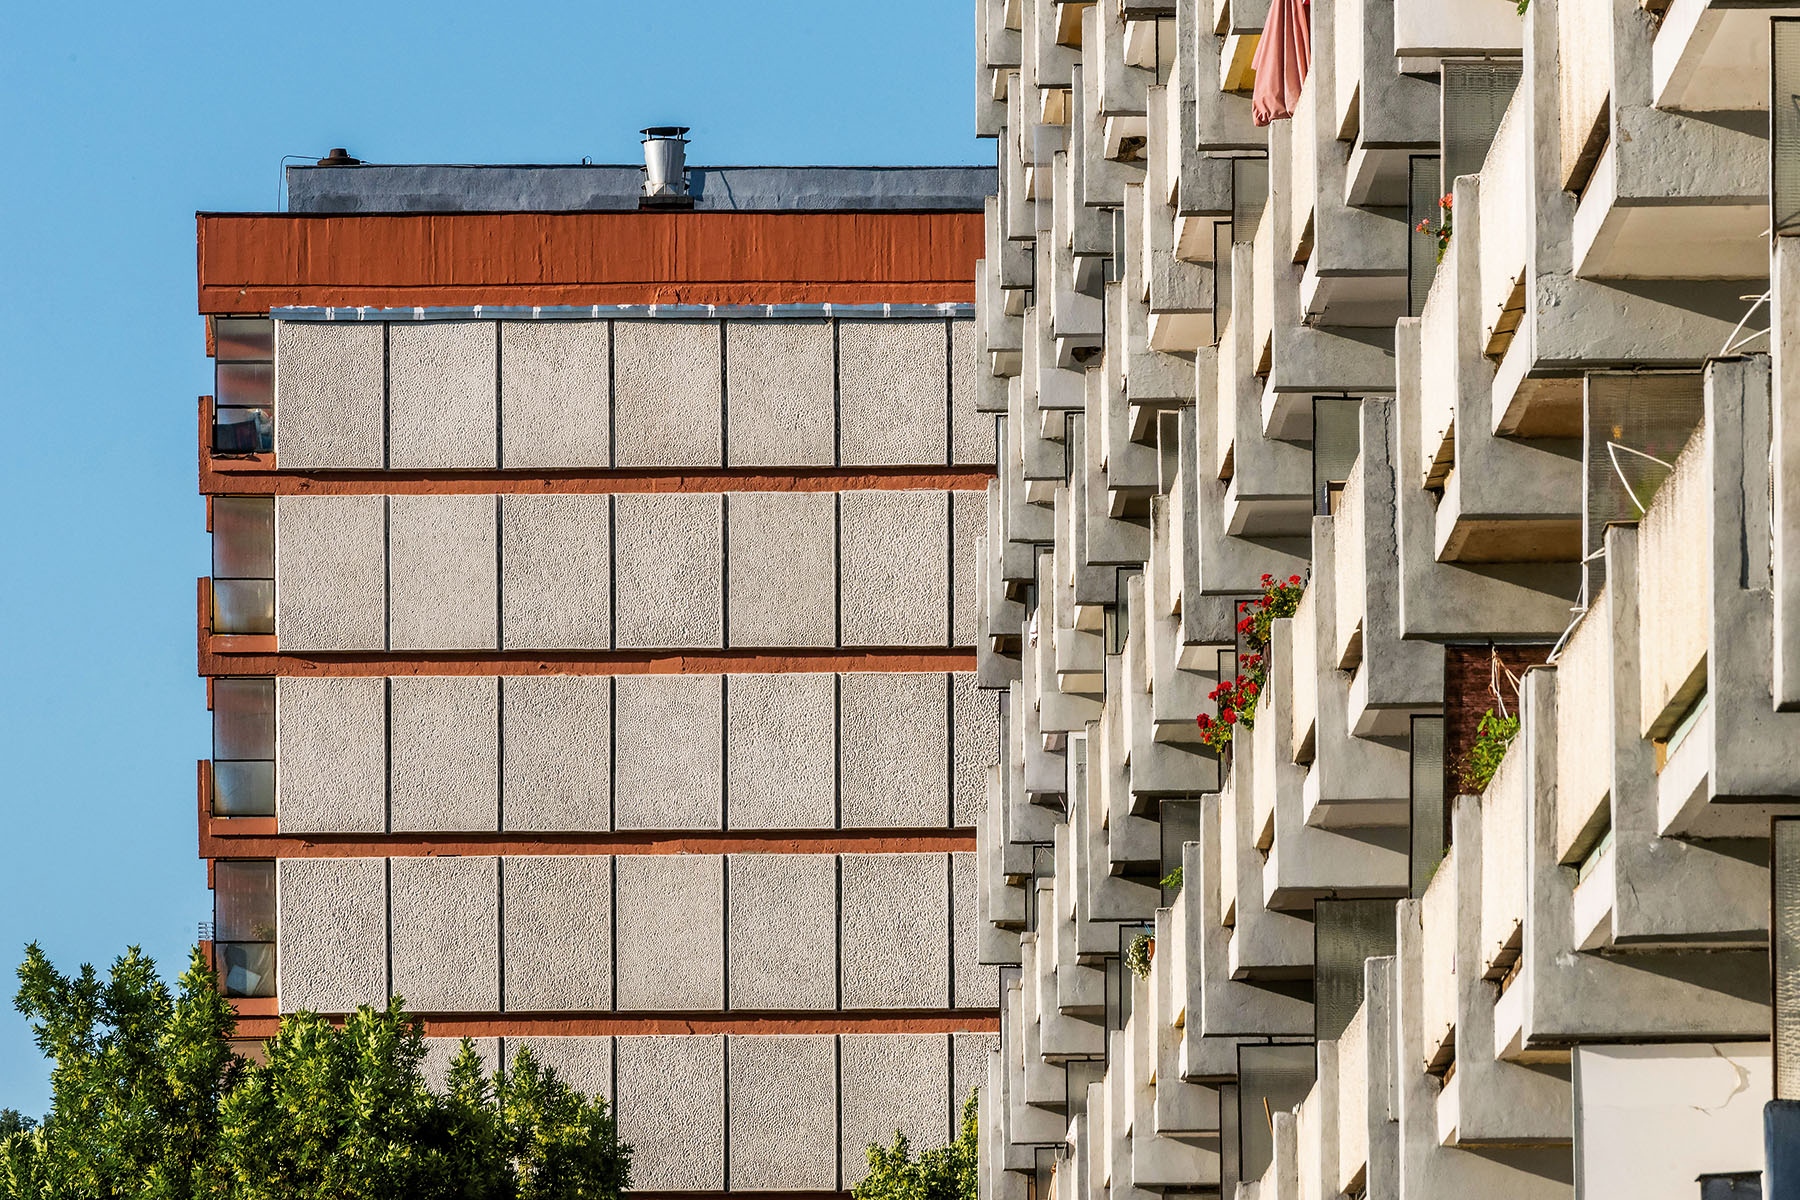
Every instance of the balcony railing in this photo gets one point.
(244, 385)
(244, 926)
(243, 769)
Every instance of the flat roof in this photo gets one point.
(450, 188)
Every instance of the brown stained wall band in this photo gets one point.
(252, 262)
(257, 1019)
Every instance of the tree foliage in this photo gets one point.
(148, 1100)
(947, 1173)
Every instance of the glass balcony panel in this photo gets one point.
(244, 900)
(238, 385)
(244, 430)
(1345, 933)
(243, 789)
(244, 339)
(243, 605)
(1271, 1079)
(243, 537)
(1422, 248)
(246, 968)
(243, 719)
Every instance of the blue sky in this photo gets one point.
(122, 121)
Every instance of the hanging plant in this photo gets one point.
(1441, 231)
(1139, 954)
(1236, 698)
(1479, 762)
(1172, 880)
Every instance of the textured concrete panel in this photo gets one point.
(669, 752)
(441, 394)
(556, 768)
(895, 589)
(968, 521)
(446, 933)
(975, 986)
(445, 739)
(780, 409)
(671, 929)
(896, 931)
(555, 394)
(902, 1085)
(783, 1113)
(781, 751)
(671, 1108)
(666, 399)
(440, 1052)
(556, 572)
(584, 1063)
(781, 568)
(556, 915)
(331, 933)
(331, 754)
(968, 1066)
(976, 733)
(893, 747)
(328, 394)
(668, 560)
(972, 440)
(331, 572)
(891, 392)
(782, 939)
(442, 573)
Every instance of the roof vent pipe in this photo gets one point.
(665, 164)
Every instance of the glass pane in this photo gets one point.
(243, 534)
(1345, 932)
(248, 969)
(243, 719)
(243, 789)
(1475, 97)
(1271, 1079)
(1635, 428)
(236, 339)
(1786, 953)
(1249, 196)
(244, 430)
(243, 606)
(236, 384)
(1428, 825)
(244, 900)
(1784, 113)
(1422, 248)
(1337, 434)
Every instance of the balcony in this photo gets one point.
(243, 926)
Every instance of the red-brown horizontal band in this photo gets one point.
(252, 262)
(258, 1018)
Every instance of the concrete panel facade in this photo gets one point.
(781, 568)
(445, 738)
(974, 985)
(556, 394)
(555, 572)
(903, 1085)
(441, 591)
(668, 560)
(666, 394)
(443, 402)
(781, 751)
(331, 933)
(669, 752)
(671, 933)
(331, 755)
(972, 440)
(329, 395)
(671, 1107)
(331, 572)
(556, 761)
(556, 925)
(892, 392)
(895, 584)
(445, 946)
(896, 931)
(975, 713)
(781, 931)
(893, 749)
(780, 403)
(782, 1106)
(968, 523)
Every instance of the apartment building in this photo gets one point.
(1460, 394)
(590, 639)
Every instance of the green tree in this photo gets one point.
(147, 1100)
(946, 1173)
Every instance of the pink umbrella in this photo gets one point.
(1282, 58)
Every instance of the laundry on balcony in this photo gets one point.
(1283, 56)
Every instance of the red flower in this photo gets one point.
(1204, 721)
(1267, 580)
(1246, 625)
(1445, 201)
(1250, 689)
(1293, 579)
(1228, 716)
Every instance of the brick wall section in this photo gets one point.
(1468, 671)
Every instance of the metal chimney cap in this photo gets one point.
(339, 157)
(657, 133)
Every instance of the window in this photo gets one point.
(243, 385)
(243, 748)
(244, 926)
(243, 566)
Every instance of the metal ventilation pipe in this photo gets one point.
(665, 161)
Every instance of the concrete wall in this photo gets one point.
(893, 769)
(781, 751)
(781, 568)
(782, 931)
(672, 1103)
(896, 943)
(556, 772)
(780, 410)
(668, 568)
(895, 583)
(668, 749)
(329, 398)
(331, 766)
(445, 739)
(331, 572)
(445, 943)
(556, 572)
(556, 925)
(556, 377)
(782, 1105)
(331, 933)
(893, 392)
(443, 402)
(670, 932)
(666, 394)
(904, 1087)
(441, 580)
